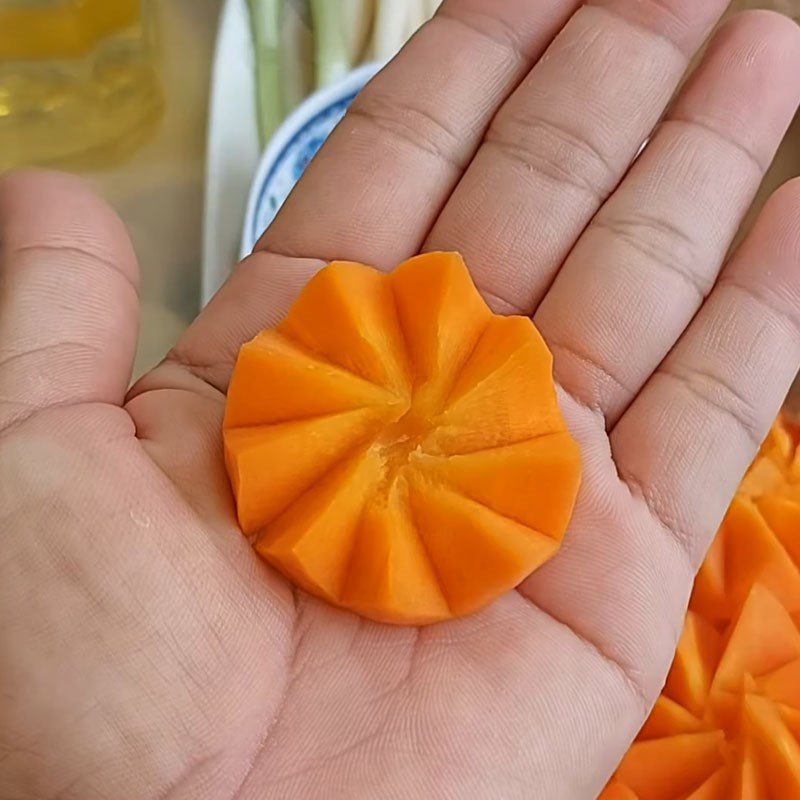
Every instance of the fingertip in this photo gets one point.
(68, 306)
(777, 229)
(768, 260)
(766, 22)
(758, 32)
(782, 214)
(742, 88)
(787, 196)
(46, 209)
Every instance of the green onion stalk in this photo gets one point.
(265, 20)
(296, 53)
(332, 59)
(391, 28)
(356, 26)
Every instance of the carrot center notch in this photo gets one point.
(398, 442)
(397, 449)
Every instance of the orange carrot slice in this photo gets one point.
(397, 449)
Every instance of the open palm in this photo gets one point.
(146, 652)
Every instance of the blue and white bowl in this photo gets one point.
(291, 148)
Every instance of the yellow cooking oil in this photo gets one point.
(79, 82)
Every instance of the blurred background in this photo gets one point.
(129, 93)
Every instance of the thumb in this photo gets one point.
(68, 296)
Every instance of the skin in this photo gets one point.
(146, 652)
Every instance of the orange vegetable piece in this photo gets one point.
(397, 449)
(727, 726)
(616, 791)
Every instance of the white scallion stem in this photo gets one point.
(431, 7)
(356, 26)
(331, 58)
(389, 33)
(296, 52)
(417, 16)
(265, 20)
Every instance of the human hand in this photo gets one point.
(146, 652)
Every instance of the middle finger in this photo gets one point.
(562, 142)
(376, 187)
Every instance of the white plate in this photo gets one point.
(232, 149)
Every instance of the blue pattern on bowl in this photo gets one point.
(293, 146)
(290, 164)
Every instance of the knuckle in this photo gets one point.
(662, 243)
(413, 125)
(552, 150)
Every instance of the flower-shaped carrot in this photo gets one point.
(397, 449)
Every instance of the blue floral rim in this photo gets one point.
(336, 108)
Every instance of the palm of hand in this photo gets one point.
(147, 652)
(147, 609)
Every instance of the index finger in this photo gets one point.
(376, 187)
